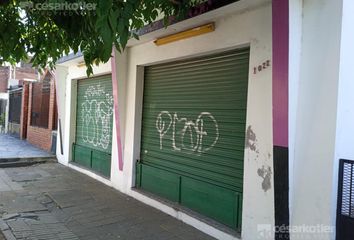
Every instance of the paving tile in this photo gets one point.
(11, 147)
(6, 217)
(8, 235)
(21, 204)
(63, 204)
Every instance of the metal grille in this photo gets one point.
(2, 106)
(345, 206)
(55, 115)
(2, 111)
(40, 103)
(95, 113)
(194, 113)
(94, 121)
(193, 133)
(347, 187)
(15, 106)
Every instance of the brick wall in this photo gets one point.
(25, 73)
(41, 137)
(4, 76)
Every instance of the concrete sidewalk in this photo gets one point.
(11, 147)
(18, 153)
(50, 201)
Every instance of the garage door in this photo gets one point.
(93, 145)
(193, 133)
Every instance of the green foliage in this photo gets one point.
(50, 33)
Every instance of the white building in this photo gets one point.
(235, 130)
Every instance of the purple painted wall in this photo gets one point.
(280, 72)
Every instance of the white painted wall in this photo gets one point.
(295, 41)
(8, 105)
(313, 145)
(4, 96)
(61, 74)
(345, 111)
(233, 30)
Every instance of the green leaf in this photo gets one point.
(47, 35)
(113, 20)
(120, 25)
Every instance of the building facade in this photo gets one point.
(237, 131)
(12, 79)
(28, 105)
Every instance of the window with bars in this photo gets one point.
(40, 103)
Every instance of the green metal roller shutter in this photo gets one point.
(93, 144)
(193, 133)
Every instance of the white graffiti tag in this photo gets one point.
(191, 134)
(97, 111)
(161, 125)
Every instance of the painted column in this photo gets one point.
(60, 79)
(116, 109)
(280, 24)
(344, 125)
(24, 111)
(313, 141)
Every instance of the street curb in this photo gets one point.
(23, 162)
